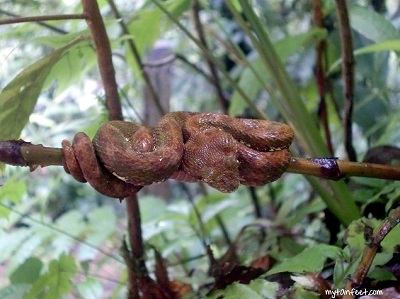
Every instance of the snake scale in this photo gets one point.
(219, 150)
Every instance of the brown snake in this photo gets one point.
(219, 150)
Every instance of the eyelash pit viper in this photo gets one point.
(219, 150)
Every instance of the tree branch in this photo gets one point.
(104, 57)
(321, 79)
(113, 104)
(43, 24)
(21, 153)
(348, 75)
(223, 103)
(136, 57)
(39, 19)
(371, 248)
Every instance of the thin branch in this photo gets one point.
(194, 67)
(334, 169)
(213, 70)
(135, 232)
(348, 74)
(258, 113)
(18, 20)
(43, 24)
(133, 288)
(104, 57)
(113, 104)
(371, 249)
(21, 153)
(320, 49)
(256, 202)
(136, 56)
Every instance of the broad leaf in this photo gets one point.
(56, 282)
(154, 22)
(258, 288)
(101, 224)
(71, 67)
(24, 251)
(355, 236)
(310, 260)
(90, 289)
(372, 25)
(388, 45)
(75, 223)
(12, 191)
(9, 243)
(27, 272)
(19, 97)
(285, 48)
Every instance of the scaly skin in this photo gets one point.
(219, 150)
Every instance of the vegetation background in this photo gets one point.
(276, 59)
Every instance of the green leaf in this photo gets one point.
(90, 289)
(391, 240)
(310, 260)
(152, 207)
(59, 41)
(71, 67)
(372, 25)
(12, 191)
(24, 251)
(289, 45)
(27, 272)
(9, 243)
(210, 206)
(380, 274)
(101, 221)
(101, 224)
(285, 48)
(355, 236)
(258, 288)
(155, 23)
(56, 282)
(73, 220)
(14, 291)
(314, 206)
(300, 293)
(177, 7)
(19, 97)
(387, 45)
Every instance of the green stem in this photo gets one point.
(221, 68)
(338, 198)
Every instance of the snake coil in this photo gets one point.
(219, 150)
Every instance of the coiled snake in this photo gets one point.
(219, 150)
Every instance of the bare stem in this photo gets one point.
(348, 74)
(371, 248)
(104, 57)
(135, 233)
(333, 169)
(113, 103)
(321, 79)
(136, 56)
(21, 153)
(18, 20)
(213, 70)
